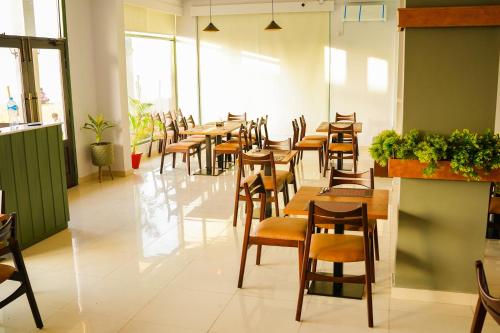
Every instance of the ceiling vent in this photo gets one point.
(364, 13)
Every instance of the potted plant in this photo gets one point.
(102, 153)
(140, 127)
(463, 155)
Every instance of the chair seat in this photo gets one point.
(371, 226)
(6, 272)
(281, 179)
(337, 248)
(193, 139)
(340, 147)
(228, 147)
(284, 228)
(494, 205)
(316, 137)
(309, 144)
(180, 146)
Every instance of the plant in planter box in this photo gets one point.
(430, 150)
(140, 127)
(101, 152)
(383, 146)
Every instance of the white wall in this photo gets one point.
(375, 107)
(98, 79)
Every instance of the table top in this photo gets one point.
(378, 204)
(211, 129)
(280, 156)
(323, 127)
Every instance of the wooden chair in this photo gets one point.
(303, 145)
(236, 117)
(341, 150)
(192, 138)
(231, 147)
(190, 121)
(156, 134)
(274, 182)
(338, 248)
(273, 231)
(262, 130)
(185, 147)
(303, 136)
(284, 145)
(9, 245)
(176, 114)
(363, 180)
(486, 303)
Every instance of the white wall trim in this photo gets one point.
(263, 8)
(164, 6)
(434, 296)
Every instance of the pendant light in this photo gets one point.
(211, 27)
(273, 25)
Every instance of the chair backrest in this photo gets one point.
(345, 117)
(252, 188)
(167, 125)
(302, 127)
(263, 161)
(295, 127)
(346, 129)
(190, 121)
(283, 145)
(236, 117)
(252, 132)
(263, 125)
(184, 123)
(176, 114)
(243, 138)
(364, 179)
(491, 304)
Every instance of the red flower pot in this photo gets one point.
(136, 160)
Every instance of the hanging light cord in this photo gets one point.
(210, 10)
(272, 9)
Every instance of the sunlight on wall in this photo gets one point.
(259, 62)
(187, 73)
(338, 59)
(377, 74)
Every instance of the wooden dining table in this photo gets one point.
(210, 131)
(282, 157)
(377, 202)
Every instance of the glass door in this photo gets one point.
(34, 72)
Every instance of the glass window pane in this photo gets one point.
(46, 18)
(10, 80)
(11, 17)
(49, 86)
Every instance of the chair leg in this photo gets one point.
(320, 160)
(162, 161)
(213, 161)
(375, 242)
(276, 204)
(301, 289)
(187, 156)
(259, 253)
(368, 283)
(327, 160)
(110, 172)
(372, 258)
(150, 147)
(479, 316)
(314, 265)
(174, 155)
(198, 152)
(300, 249)
(244, 252)
(236, 204)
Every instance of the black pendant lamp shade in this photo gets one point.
(211, 27)
(273, 25)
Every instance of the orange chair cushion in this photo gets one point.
(180, 147)
(337, 248)
(6, 272)
(228, 147)
(315, 137)
(194, 139)
(281, 179)
(309, 144)
(342, 147)
(284, 228)
(494, 205)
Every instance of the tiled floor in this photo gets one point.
(153, 253)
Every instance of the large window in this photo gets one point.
(150, 75)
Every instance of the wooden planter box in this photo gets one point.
(414, 169)
(380, 171)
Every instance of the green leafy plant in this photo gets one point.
(430, 150)
(467, 152)
(140, 122)
(97, 125)
(384, 145)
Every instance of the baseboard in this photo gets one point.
(434, 296)
(105, 174)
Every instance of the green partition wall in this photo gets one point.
(450, 82)
(32, 174)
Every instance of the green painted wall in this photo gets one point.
(33, 176)
(450, 82)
